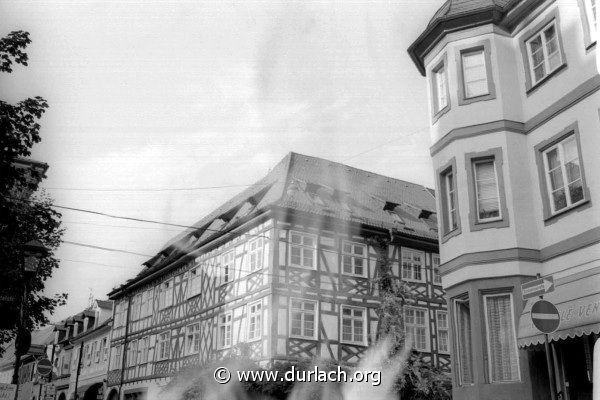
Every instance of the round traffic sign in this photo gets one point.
(44, 367)
(545, 316)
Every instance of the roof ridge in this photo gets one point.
(362, 170)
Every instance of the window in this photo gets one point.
(437, 276)
(353, 325)
(104, 352)
(474, 73)
(66, 363)
(255, 321)
(303, 318)
(354, 259)
(503, 359)
(225, 325)
(164, 346)
(136, 304)
(442, 331)
(120, 314)
(227, 265)
(132, 352)
(449, 202)
(464, 355)
(439, 84)
(485, 184)
(143, 349)
(563, 174)
(165, 294)
(303, 250)
(415, 327)
(487, 196)
(96, 349)
(116, 360)
(194, 283)
(256, 256)
(412, 264)
(589, 18)
(87, 350)
(192, 339)
(146, 304)
(544, 52)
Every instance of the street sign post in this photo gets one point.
(545, 316)
(44, 367)
(537, 287)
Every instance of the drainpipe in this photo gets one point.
(123, 363)
(78, 368)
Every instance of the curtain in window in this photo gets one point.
(487, 190)
(475, 74)
(502, 342)
(465, 357)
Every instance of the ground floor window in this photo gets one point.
(464, 348)
(503, 357)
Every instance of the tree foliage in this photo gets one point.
(23, 216)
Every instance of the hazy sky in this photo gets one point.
(154, 94)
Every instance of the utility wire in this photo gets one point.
(148, 189)
(105, 248)
(384, 144)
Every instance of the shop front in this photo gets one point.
(577, 298)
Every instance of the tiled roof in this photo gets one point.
(319, 187)
(455, 8)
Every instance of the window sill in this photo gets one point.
(535, 86)
(450, 234)
(362, 344)
(256, 339)
(354, 275)
(583, 204)
(437, 115)
(413, 280)
(303, 338)
(494, 223)
(302, 267)
(464, 101)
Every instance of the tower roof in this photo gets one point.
(455, 15)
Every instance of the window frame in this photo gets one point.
(548, 216)
(353, 318)
(434, 275)
(459, 344)
(446, 329)
(164, 287)
(436, 111)
(426, 325)
(422, 269)
(143, 351)
(538, 29)
(447, 231)
(487, 336)
(227, 272)
(195, 338)
(159, 342)
(483, 46)
(222, 342)
(589, 34)
(194, 282)
(303, 329)
(258, 315)
(258, 252)
(303, 246)
(353, 256)
(502, 221)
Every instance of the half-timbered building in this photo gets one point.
(288, 269)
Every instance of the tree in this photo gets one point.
(418, 380)
(23, 216)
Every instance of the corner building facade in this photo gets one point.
(287, 270)
(514, 99)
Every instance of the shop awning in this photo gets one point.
(577, 298)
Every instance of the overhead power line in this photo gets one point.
(147, 189)
(106, 248)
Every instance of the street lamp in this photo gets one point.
(33, 252)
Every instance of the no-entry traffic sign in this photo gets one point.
(44, 367)
(545, 316)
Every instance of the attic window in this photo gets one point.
(425, 214)
(389, 206)
(343, 199)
